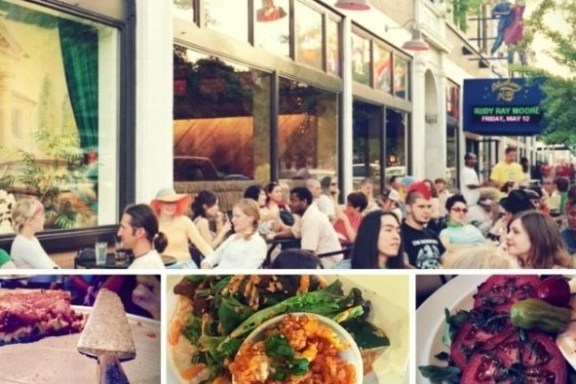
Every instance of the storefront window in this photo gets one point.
(228, 17)
(367, 143)
(308, 35)
(396, 155)
(59, 124)
(333, 46)
(382, 69)
(184, 9)
(452, 128)
(401, 85)
(221, 119)
(360, 59)
(271, 25)
(307, 132)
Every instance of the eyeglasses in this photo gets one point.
(460, 210)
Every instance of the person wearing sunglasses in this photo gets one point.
(457, 233)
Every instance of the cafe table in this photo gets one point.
(86, 259)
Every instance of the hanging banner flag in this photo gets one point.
(503, 107)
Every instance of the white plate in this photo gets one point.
(389, 297)
(48, 360)
(455, 294)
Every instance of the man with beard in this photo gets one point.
(317, 233)
(422, 246)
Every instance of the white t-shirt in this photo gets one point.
(319, 236)
(238, 253)
(325, 205)
(28, 253)
(468, 176)
(149, 260)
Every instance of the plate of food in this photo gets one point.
(41, 346)
(498, 328)
(211, 317)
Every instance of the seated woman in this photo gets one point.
(204, 210)
(378, 244)
(170, 207)
(267, 218)
(26, 251)
(457, 233)
(275, 208)
(534, 239)
(245, 249)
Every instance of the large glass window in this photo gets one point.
(382, 69)
(308, 35)
(452, 129)
(221, 119)
(59, 119)
(272, 25)
(396, 160)
(360, 59)
(228, 17)
(307, 131)
(401, 85)
(333, 47)
(367, 143)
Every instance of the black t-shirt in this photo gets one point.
(422, 246)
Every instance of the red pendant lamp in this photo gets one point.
(353, 5)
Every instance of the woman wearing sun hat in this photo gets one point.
(170, 207)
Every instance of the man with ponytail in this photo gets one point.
(139, 232)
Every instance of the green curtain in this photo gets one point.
(79, 44)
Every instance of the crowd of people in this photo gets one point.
(507, 221)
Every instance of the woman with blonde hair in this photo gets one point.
(245, 249)
(26, 251)
(534, 239)
(170, 207)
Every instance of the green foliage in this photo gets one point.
(463, 9)
(560, 89)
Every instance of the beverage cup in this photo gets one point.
(100, 252)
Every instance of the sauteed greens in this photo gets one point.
(225, 309)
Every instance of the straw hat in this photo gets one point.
(168, 195)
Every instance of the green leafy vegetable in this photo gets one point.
(231, 313)
(438, 374)
(283, 363)
(277, 346)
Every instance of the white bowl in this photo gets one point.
(351, 355)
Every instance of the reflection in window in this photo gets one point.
(367, 143)
(183, 9)
(395, 143)
(382, 69)
(401, 85)
(228, 17)
(307, 131)
(221, 119)
(452, 128)
(308, 36)
(333, 47)
(360, 59)
(58, 112)
(271, 26)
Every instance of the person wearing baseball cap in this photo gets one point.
(170, 207)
